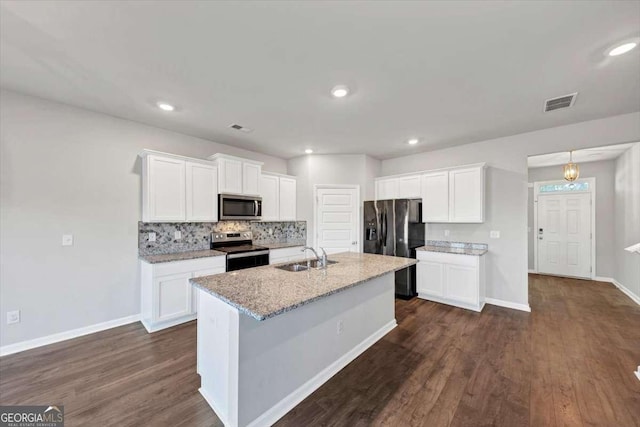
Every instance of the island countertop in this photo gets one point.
(264, 292)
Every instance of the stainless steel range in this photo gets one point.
(240, 250)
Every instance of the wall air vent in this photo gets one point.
(563, 101)
(240, 128)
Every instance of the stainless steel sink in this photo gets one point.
(293, 267)
(302, 265)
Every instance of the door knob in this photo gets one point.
(354, 243)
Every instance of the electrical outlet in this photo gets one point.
(340, 327)
(13, 317)
(446, 233)
(177, 235)
(152, 237)
(67, 240)
(494, 234)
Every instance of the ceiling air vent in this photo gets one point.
(564, 101)
(240, 128)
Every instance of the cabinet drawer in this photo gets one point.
(286, 252)
(455, 259)
(189, 266)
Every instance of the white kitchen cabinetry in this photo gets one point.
(178, 189)
(466, 194)
(202, 192)
(435, 197)
(398, 187)
(167, 297)
(278, 197)
(277, 256)
(237, 175)
(452, 279)
(454, 195)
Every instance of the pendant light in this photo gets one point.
(571, 170)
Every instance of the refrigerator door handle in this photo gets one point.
(384, 229)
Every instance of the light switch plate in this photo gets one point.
(446, 233)
(67, 240)
(13, 317)
(177, 235)
(494, 234)
(152, 237)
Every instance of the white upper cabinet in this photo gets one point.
(452, 195)
(237, 175)
(202, 192)
(466, 195)
(278, 197)
(435, 197)
(386, 188)
(287, 199)
(251, 178)
(178, 189)
(409, 187)
(163, 189)
(270, 189)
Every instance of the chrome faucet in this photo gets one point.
(322, 260)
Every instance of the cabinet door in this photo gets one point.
(230, 176)
(409, 187)
(172, 296)
(387, 189)
(270, 189)
(202, 192)
(251, 179)
(287, 199)
(194, 293)
(461, 283)
(466, 195)
(430, 278)
(166, 189)
(435, 197)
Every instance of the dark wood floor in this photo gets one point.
(568, 363)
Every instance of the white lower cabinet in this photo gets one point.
(167, 298)
(295, 253)
(452, 279)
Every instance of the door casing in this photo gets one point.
(592, 190)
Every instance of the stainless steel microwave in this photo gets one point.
(239, 207)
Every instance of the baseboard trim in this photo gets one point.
(67, 335)
(150, 327)
(211, 402)
(508, 304)
(635, 298)
(288, 403)
(533, 271)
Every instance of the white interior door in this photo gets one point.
(564, 234)
(337, 219)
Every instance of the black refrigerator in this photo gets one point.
(394, 227)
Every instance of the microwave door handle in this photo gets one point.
(255, 208)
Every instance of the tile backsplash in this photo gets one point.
(196, 235)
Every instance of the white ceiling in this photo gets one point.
(449, 73)
(579, 156)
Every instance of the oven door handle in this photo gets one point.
(247, 254)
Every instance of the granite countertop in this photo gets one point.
(180, 256)
(281, 245)
(460, 248)
(264, 292)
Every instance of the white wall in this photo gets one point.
(506, 208)
(347, 169)
(627, 210)
(69, 170)
(604, 173)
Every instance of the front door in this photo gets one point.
(564, 234)
(338, 213)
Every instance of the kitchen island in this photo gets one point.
(267, 337)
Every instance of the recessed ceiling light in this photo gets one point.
(622, 48)
(412, 141)
(165, 107)
(340, 91)
(308, 151)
